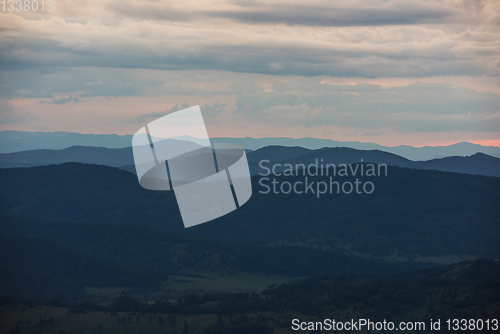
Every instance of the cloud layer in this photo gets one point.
(419, 107)
(272, 62)
(367, 39)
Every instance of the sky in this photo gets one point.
(390, 72)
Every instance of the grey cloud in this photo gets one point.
(337, 61)
(88, 82)
(214, 109)
(149, 11)
(64, 100)
(419, 107)
(365, 49)
(6, 107)
(337, 17)
(208, 110)
(337, 14)
(76, 82)
(305, 101)
(15, 49)
(8, 114)
(349, 52)
(145, 118)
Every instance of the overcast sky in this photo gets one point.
(385, 71)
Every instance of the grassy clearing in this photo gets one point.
(106, 292)
(215, 282)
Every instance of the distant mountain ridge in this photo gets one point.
(408, 152)
(479, 163)
(114, 157)
(16, 141)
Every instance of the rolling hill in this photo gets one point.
(411, 212)
(44, 259)
(479, 163)
(16, 141)
(69, 226)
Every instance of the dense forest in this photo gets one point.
(411, 212)
(63, 258)
(85, 246)
(469, 290)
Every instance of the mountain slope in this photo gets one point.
(411, 211)
(42, 259)
(82, 154)
(84, 193)
(16, 141)
(35, 268)
(479, 163)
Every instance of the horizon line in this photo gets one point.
(281, 137)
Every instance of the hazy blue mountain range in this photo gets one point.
(478, 163)
(408, 152)
(16, 141)
(114, 157)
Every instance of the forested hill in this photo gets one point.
(478, 163)
(411, 211)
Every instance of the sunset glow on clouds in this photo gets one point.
(390, 72)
